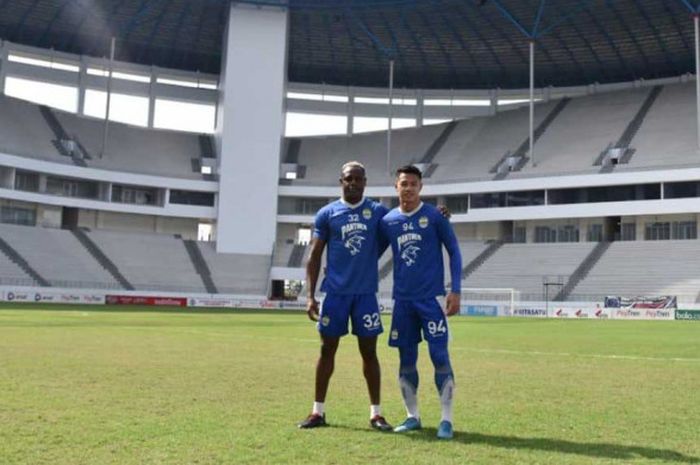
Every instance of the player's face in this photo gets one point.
(408, 187)
(353, 181)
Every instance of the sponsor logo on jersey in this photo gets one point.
(423, 222)
(367, 213)
(408, 238)
(352, 228)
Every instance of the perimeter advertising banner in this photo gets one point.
(577, 312)
(530, 311)
(683, 314)
(232, 302)
(479, 310)
(56, 297)
(657, 302)
(145, 300)
(644, 314)
(642, 307)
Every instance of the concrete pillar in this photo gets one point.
(4, 52)
(494, 101)
(420, 105)
(350, 112)
(152, 97)
(250, 126)
(82, 85)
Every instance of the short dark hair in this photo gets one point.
(409, 169)
(351, 165)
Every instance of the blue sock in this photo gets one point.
(444, 378)
(408, 379)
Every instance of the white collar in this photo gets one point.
(411, 213)
(352, 206)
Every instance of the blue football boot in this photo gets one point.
(410, 424)
(444, 430)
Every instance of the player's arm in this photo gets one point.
(313, 269)
(449, 240)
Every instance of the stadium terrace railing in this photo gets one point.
(519, 175)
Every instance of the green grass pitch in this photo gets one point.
(97, 385)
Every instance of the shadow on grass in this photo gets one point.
(590, 449)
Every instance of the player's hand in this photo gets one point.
(312, 309)
(453, 304)
(445, 211)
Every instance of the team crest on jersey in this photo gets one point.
(394, 335)
(423, 222)
(367, 213)
(325, 320)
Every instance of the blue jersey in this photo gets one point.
(416, 240)
(354, 245)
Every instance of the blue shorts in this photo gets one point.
(362, 309)
(411, 316)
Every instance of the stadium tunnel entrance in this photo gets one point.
(69, 218)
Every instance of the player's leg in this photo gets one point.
(333, 323)
(408, 382)
(445, 384)
(370, 367)
(367, 325)
(372, 372)
(405, 334)
(436, 333)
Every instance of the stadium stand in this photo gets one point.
(15, 270)
(24, 132)
(150, 261)
(323, 156)
(526, 266)
(101, 258)
(58, 257)
(30, 130)
(572, 142)
(237, 273)
(477, 144)
(200, 265)
(645, 268)
(296, 258)
(667, 137)
(133, 149)
(586, 127)
(283, 252)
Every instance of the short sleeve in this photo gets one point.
(321, 227)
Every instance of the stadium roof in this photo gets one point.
(435, 43)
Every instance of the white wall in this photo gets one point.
(251, 118)
(126, 222)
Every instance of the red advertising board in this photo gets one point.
(145, 300)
